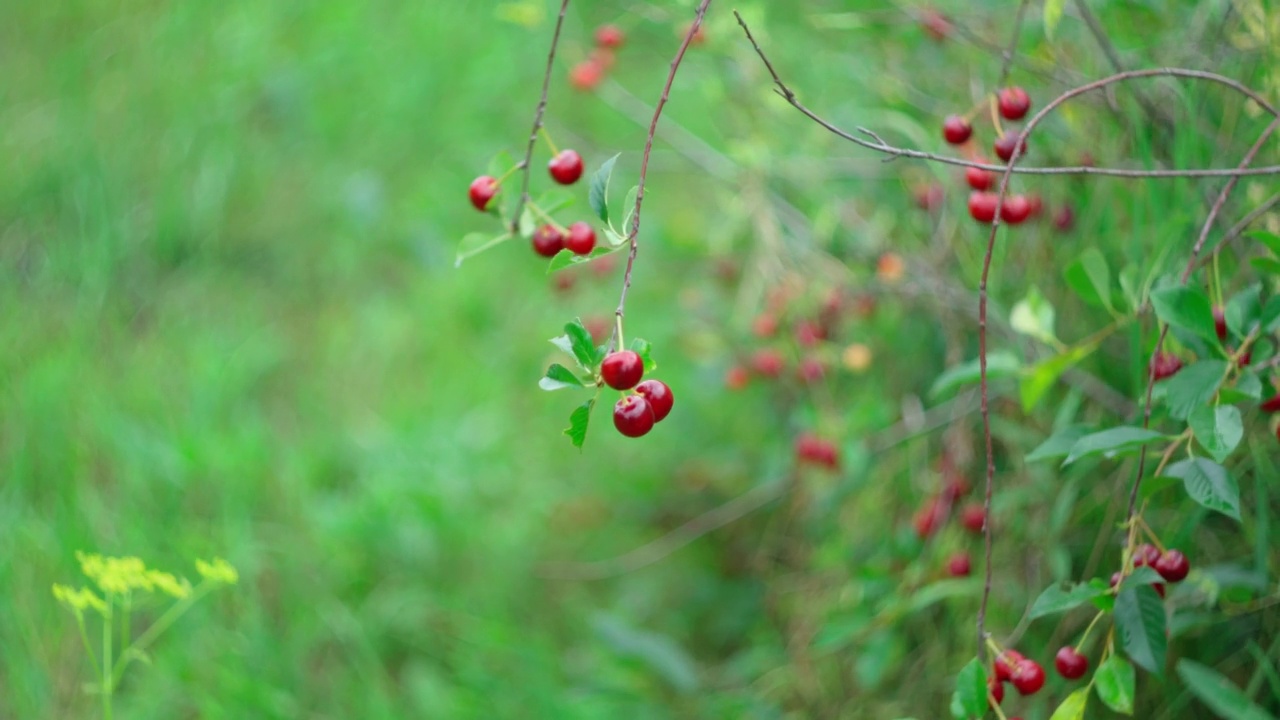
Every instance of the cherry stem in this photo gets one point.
(537, 120)
(1088, 630)
(618, 329)
(546, 137)
(537, 210)
(510, 171)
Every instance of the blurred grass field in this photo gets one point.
(230, 325)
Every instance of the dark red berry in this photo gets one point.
(955, 488)
(586, 75)
(547, 241)
(482, 191)
(1036, 204)
(621, 370)
(659, 397)
(1165, 365)
(632, 416)
(956, 129)
(1005, 144)
(996, 688)
(566, 167)
(767, 362)
(609, 36)
(1027, 677)
(1064, 219)
(1005, 664)
(973, 517)
(1015, 209)
(982, 206)
(813, 450)
(1172, 566)
(1272, 404)
(1116, 577)
(1220, 323)
(958, 565)
(929, 518)
(1145, 554)
(809, 333)
(811, 370)
(1014, 103)
(1159, 588)
(581, 239)
(979, 179)
(1071, 663)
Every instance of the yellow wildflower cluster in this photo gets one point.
(120, 575)
(218, 570)
(78, 600)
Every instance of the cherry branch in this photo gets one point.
(537, 122)
(1009, 52)
(633, 235)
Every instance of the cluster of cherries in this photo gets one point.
(936, 510)
(586, 75)
(549, 239)
(650, 402)
(1172, 565)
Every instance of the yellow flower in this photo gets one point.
(218, 570)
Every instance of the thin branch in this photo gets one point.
(537, 121)
(1007, 55)
(633, 235)
(1239, 228)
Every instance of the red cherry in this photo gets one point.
(566, 167)
(1014, 103)
(621, 370)
(632, 416)
(956, 129)
(1071, 663)
(811, 449)
(1027, 677)
(1015, 209)
(929, 197)
(982, 206)
(1272, 404)
(1159, 588)
(935, 24)
(979, 179)
(1036, 203)
(482, 191)
(1116, 577)
(811, 370)
(609, 36)
(767, 362)
(1172, 566)
(1005, 144)
(736, 377)
(764, 325)
(996, 688)
(809, 333)
(586, 75)
(1005, 664)
(1165, 365)
(659, 397)
(972, 516)
(1220, 323)
(1064, 219)
(955, 488)
(1145, 554)
(929, 518)
(547, 241)
(958, 565)
(581, 239)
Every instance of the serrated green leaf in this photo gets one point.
(644, 350)
(1111, 442)
(1266, 264)
(1090, 277)
(1225, 699)
(1033, 316)
(578, 421)
(1270, 239)
(559, 377)
(1270, 316)
(1219, 429)
(1142, 575)
(1115, 683)
(1243, 310)
(1072, 707)
(582, 346)
(1059, 444)
(1055, 599)
(598, 195)
(1052, 15)
(1248, 386)
(630, 204)
(1209, 484)
(1193, 386)
(475, 243)
(1187, 308)
(1038, 378)
(568, 258)
(999, 364)
(1140, 623)
(970, 696)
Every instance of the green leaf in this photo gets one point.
(559, 377)
(1219, 429)
(1052, 14)
(1054, 599)
(1038, 378)
(1193, 386)
(1059, 444)
(1223, 698)
(644, 350)
(1034, 316)
(999, 364)
(1114, 680)
(1266, 265)
(568, 258)
(1090, 277)
(1248, 387)
(555, 200)
(662, 654)
(578, 420)
(1270, 316)
(970, 697)
(1140, 622)
(475, 243)
(1187, 308)
(1209, 484)
(582, 346)
(1243, 310)
(1142, 575)
(1271, 240)
(500, 163)
(630, 205)
(1111, 442)
(598, 195)
(1072, 707)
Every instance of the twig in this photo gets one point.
(633, 235)
(1239, 228)
(1007, 55)
(537, 121)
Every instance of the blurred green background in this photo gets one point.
(230, 324)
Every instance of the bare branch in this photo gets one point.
(537, 121)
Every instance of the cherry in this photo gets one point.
(973, 517)
(979, 179)
(1014, 103)
(586, 75)
(1165, 365)
(1071, 663)
(1005, 664)
(935, 24)
(482, 191)
(929, 197)
(609, 36)
(958, 565)
(1272, 404)
(1145, 554)
(1116, 577)
(765, 325)
(1036, 203)
(1064, 219)
(565, 282)
(547, 241)
(767, 362)
(1006, 143)
(566, 167)
(811, 370)
(1027, 677)
(1159, 588)
(736, 377)
(1220, 323)
(996, 688)
(633, 416)
(621, 370)
(929, 518)
(955, 488)
(814, 450)
(809, 333)
(1015, 209)
(982, 206)
(956, 129)
(890, 267)
(1172, 566)
(659, 397)
(581, 239)
(599, 327)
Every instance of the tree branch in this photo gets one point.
(537, 122)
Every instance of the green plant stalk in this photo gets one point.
(108, 680)
(84, 637)
(158, 627)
